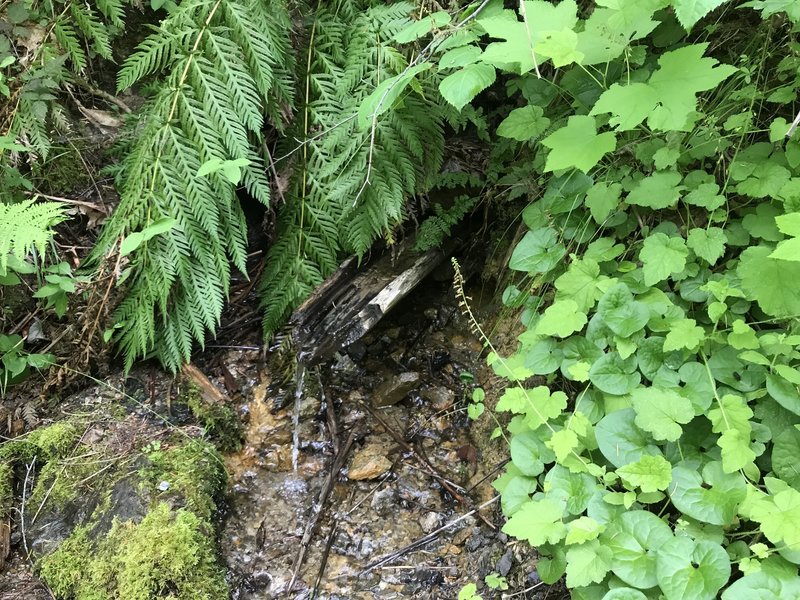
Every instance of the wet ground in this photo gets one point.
(369, 482)
(401, 518)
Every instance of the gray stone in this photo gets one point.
(395, 389)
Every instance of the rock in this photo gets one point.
(440, 397)
(504, 564)
(395, 389)
(369, 462)
(383, 500)
(430, 522)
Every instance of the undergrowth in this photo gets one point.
(653, 398)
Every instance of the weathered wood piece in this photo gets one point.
(353, 300)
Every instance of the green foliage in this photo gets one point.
(352, 176)
(225, 66)
(26, 226)
(436, 228)
(659, 461)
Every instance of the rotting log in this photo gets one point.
(353, 300)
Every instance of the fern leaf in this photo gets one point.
(67, 38)
(25, 226)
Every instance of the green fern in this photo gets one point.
(224, 62)
(25, 226)
(347, 188)
(435, 229)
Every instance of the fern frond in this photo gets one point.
(217, 81)
(331, 209)
(437, 227)
(67, 38)
(113, 11)
(26, 225)
(92, 28)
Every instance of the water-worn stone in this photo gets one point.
(440, 397)
(369, 462)
(395, 389)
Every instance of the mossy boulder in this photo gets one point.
(122, 509)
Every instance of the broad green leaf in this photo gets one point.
(580, 284)
(661, 257)
(578, 145)
(537, 521)
(386, 94)
(784, 392)
(559, 46)
(743, 337)
(537, 252)
(788, 250)
(521, 38)
(779, 516)
(537, 404)
(582, 530)
(760, 223)
(684, 334)
(786, 456)
(461, 87)
(421, 28)
(523, 124)
(574, 489)
(711, 498)
(669, 98)
(763, 585)
(629, 105)
(634, 538)
(706, 195)
(561, 319)
(661, 412)
(731, 418)
(770, 282)
(562, 443)
(692, 569)
(657, 191)
(690, 12)
(459, 57)
(614, 375)
(621, 313)
(543, 357)
(136, 239)
(512, 368)
(529, 454)
(624, 593)
(708, 244)
(621, 441)
(602, 199)
(649, 473)
(587, 563)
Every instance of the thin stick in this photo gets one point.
(423, 540)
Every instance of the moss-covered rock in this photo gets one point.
(219, 420)
(129, 515)
(169, 554)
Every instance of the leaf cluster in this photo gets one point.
(653, 397)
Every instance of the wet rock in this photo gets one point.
(430, 522)
(440, 397)
(395, 389)
(504, 564)
(369, 462)
(383, 500)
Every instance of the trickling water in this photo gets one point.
(299, 378)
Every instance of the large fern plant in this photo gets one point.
(349, 184)
(226, 64)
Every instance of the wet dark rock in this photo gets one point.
(430, 522)
(395, 389)
(503, 565)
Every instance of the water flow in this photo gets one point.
(299, 382)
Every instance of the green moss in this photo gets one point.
(6, 487)
(166, 555)
(219, 420)
(62, 173)
(57, 440)
(194, 472)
